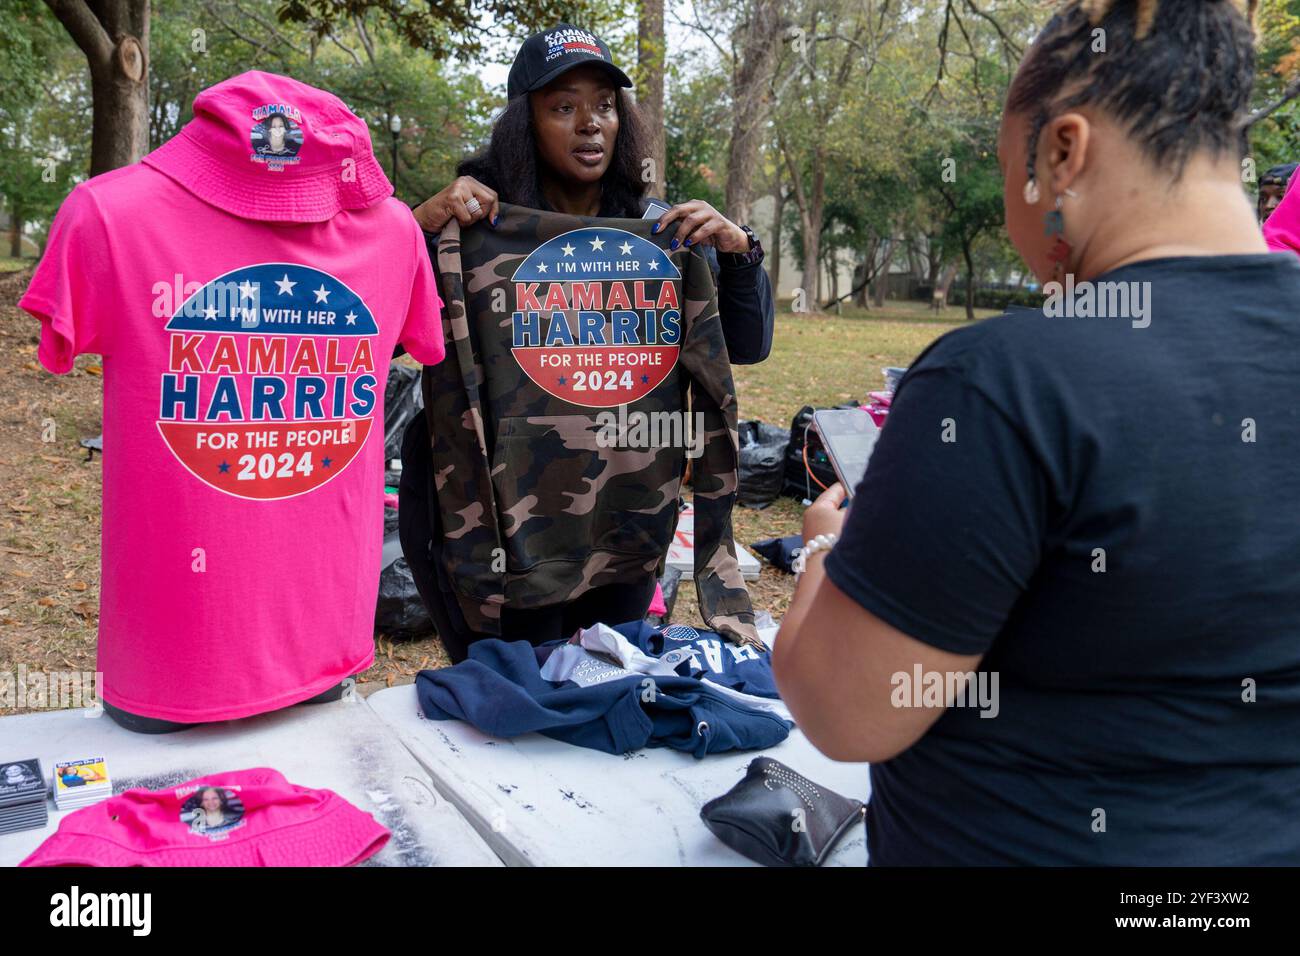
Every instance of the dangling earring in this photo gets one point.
(1060, 251)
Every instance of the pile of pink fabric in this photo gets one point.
(878, 406)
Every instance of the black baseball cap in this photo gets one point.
(546, 55)
(1279, 175)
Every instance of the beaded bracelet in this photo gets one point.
(822, 542)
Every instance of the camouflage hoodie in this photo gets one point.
(559, 329)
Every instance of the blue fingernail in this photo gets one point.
(687, 242)
(673, 244)
(654, 229)
(496, 219)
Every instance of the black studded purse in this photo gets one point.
(778, 817)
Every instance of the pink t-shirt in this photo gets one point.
(244, 373)
(1282, 229)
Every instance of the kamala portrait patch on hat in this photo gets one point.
(276, 136)
(211, 811)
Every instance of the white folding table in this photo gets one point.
(341, 745)
(537, 801)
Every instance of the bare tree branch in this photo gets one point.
(1291, 92)
(697, 25)
(346, 49)
(266, 25)
(84, 28)
(1007, 41)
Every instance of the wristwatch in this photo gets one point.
(752, 257)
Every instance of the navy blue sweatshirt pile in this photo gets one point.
(705, 653)
(500, 690)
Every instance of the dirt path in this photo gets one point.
(49, 500)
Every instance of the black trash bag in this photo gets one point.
(762, 463)
(399, 612)
(403, 400)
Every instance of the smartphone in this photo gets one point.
(849, 436)
(654, 209)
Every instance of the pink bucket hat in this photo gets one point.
(242, 818)
(267, 147)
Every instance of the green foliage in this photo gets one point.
(461, 27)
(365, 61)
(973, 197)
(41, 115)
(698, 126)
(1276, 139)
(45, 101)
(859, 93)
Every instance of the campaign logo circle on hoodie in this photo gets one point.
(270, 384)
(596, 319)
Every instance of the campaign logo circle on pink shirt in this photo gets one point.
(270, 387)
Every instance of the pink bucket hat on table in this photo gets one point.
(242, 818)
(264, 146)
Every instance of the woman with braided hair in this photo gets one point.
(1093, 505)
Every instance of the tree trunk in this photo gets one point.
(970, 281)
(942, 283)
(115, 39)
(861, 276)
(773, 254)
(915, 267)
(882, 272)
(759, 36)
(869, 273)
(650, 87)
(15, 230)
(812, 228)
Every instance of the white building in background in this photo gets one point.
(791, 271)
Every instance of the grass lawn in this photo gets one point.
(50, 493)
(829, 359)
(819, 360)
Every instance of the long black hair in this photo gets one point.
(509, 165)
(1177, 74)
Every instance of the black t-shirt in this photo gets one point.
(1159, 697)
